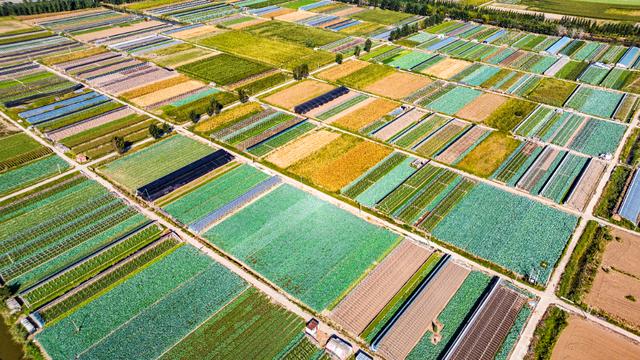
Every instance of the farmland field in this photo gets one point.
(489, 154)
(151, 163)
(223, 69)
(313, 271)
(507, 211)
(601, 9)
(273, 52)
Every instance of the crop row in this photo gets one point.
(106, 280)
(72, 277)
(374, 175)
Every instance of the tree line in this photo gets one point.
(29, 7)
(624, 32)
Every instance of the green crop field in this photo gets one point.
(327, 248)
(214, 194)
(385, 17)
(250, 327)
(223, 69)
(155, 161)
(302, 35)
(601, 9)
(178, 292)
(273, 52)
(473, 226)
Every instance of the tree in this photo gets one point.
(194, 116)
(339, 58)
(215, 106)
(242, 95)
(166, 128)
(301, 71)
(119, 144)
(356, 51)
(367, 45)
(155, 131)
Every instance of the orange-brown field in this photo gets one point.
(301, 148)
(340, 162)
(480, 108)
(586, 340)
(298, 93)
(342, 70)
(218, 121)
(365, 114)
(398, 85)
(446, 68)
(616, 287)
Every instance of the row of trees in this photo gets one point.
(29, 7)
(627, 33)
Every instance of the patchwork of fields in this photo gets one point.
(199, 179)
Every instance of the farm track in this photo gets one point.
(547, 297)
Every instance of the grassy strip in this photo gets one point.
(387, 312)
(631, 152)
(265, 83)
(612, 193)
(547, 334)
(584, 262)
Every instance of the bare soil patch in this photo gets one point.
(365, 114)
(398, 85)
(301, 148)
(585, 340)
(342, 70)
(298, 93)
(483, 106)
(446, 68)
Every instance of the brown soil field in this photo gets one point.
(348, 11)
(608, 293)
(611, 287)
(366, 300)
(280, 12)
(301, 148)
(398, 85)
(419, 316)
(342, 70)
(295, 16)
(366, 114)
(167, 93)
(480, 108)
(227, 117)
(446, 68)
(623, 254)
(195, 32)
(11, 25)
(155, 86)
(461, 145)
(340, 162)
(585, 340)
(245, 24)
(117, 30)
(298, 93)
(587, 185)
(406, 119)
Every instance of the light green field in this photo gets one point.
(277, 53)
